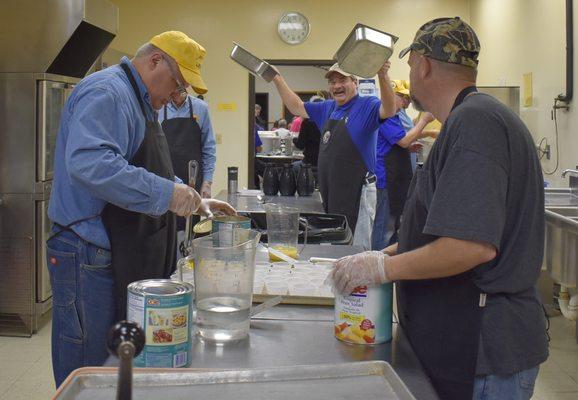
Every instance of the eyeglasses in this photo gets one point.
(180, 89)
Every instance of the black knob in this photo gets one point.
(122, 332)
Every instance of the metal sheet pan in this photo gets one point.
(253, 64)
(359, 380)
(364, 51)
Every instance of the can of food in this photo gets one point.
(364, 317)
(224, 229)
(163, 308)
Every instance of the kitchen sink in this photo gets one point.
(560, 197)
(561, 250)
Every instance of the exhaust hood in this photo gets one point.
(61, 37)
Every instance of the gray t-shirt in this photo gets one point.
(483, 182)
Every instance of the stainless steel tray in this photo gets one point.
(253, 64)
(364, 51)
(357, 380)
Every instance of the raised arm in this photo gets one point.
(289, 97)
(387, 108)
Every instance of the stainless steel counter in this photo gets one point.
(307, 204)
(289, 335)
(301, 335)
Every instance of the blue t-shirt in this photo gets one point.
(390, 132)
(362, 122)
(258, 141)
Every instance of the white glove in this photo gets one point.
(185, 200)
(363, 269)
(208, 206)
(206, 190)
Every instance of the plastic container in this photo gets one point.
(282, 230)
(224, 276)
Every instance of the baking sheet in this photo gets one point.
(360, 380)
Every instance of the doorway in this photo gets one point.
(303, 76)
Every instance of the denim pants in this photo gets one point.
(83, 302)
(381, 229)
(517, 386)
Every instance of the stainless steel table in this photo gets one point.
(289, 335)
(308, 204)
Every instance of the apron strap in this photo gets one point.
(137, 92)
(191, 109)
(165, 112)
(67, 227)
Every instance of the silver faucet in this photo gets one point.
(569, 171)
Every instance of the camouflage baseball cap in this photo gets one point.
(449, 40)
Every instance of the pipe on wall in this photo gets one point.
(567, 98)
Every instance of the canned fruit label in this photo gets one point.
(166, 321)
(364, 317)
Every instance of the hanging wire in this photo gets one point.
(554, 114)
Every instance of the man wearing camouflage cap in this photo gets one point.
(471, 241)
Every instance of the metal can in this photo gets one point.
(224, 228)
(364, 317)
(163, 308)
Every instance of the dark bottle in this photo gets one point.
(287, 181)
(270, 180)
(305, 180)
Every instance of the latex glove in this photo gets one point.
(363, 269)
(185, 200)
(206, 190)
(209, 206)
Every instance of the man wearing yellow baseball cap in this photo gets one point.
(114, 196)
(393, 167)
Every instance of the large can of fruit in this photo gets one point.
(163, 308)
(226, 228)
(364, 316)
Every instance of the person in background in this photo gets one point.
(187, 126)
(393, 168)
(295, 126)
(472, 235)
(308, 141)
(258, 165)
(114, 196)
(261, 124)
(346, 162)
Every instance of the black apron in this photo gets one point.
(143, 247)
(341, 171)
(398, 174)
(185, 144)
(441, 317)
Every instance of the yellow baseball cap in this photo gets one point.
(400, 86)
(187, 53)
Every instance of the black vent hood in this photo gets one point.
(62, 37)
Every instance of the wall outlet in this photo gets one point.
(219, 138)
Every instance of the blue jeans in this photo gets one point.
(83, 303)
(380, 235)
(518, 386)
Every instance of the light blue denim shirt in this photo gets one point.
(407, 124)
(208, 146)
(101, 129)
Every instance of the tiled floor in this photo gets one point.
(26, 370)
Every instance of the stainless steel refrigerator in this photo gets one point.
(48, 47)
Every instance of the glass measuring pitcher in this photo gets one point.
(224, 273)
(282, 230)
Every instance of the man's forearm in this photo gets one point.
(441, 258)
(289, 97)
(413, 134)
(387, 108)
